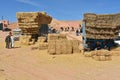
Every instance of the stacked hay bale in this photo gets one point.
(31, 22)
(58, 44)
(101, 55)
(101, 26)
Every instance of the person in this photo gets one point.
(12, 41)
(77, 32)
(8, 40)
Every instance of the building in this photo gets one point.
(4, 24)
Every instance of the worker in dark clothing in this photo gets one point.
(77, 32)
(8, 40)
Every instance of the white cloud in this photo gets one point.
(28, 2)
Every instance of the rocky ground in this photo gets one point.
(22, 63)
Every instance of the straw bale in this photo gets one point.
(102, 58)
(87, 54)
(97, 58)
(58, 47)
(41, 39)
(52, 47)
(101, 55)
(25, 39)
(90, 16)
(75, 46)
(108, 58)
(64, 47)
(62, 36)
(69, 46)
(52, 37)
(43, 46)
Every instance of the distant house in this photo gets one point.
(5, 23)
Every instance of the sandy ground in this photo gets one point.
(22, 63)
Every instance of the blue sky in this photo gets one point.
(59, 9)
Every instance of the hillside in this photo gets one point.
(55, 24)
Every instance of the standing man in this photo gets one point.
(12, 41)
(8, 40)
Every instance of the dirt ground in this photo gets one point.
(22, 63)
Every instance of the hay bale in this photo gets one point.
(81, 48)
(102, 58)
(101, 55)
(25, 39)
(41, 39)
(64, 47)
(87, 54)
(43, 46)
(62, 37)
(52, 37)
(108, 58)
(69, 47)
(58, 47)
(97, 58)
(52, 47)
(75, 46)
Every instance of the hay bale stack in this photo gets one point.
(63, 46)
(30, 22)
(101, 55)
(101, 26)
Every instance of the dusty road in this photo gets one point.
(26, 64)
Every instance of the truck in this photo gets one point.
(100, 31)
